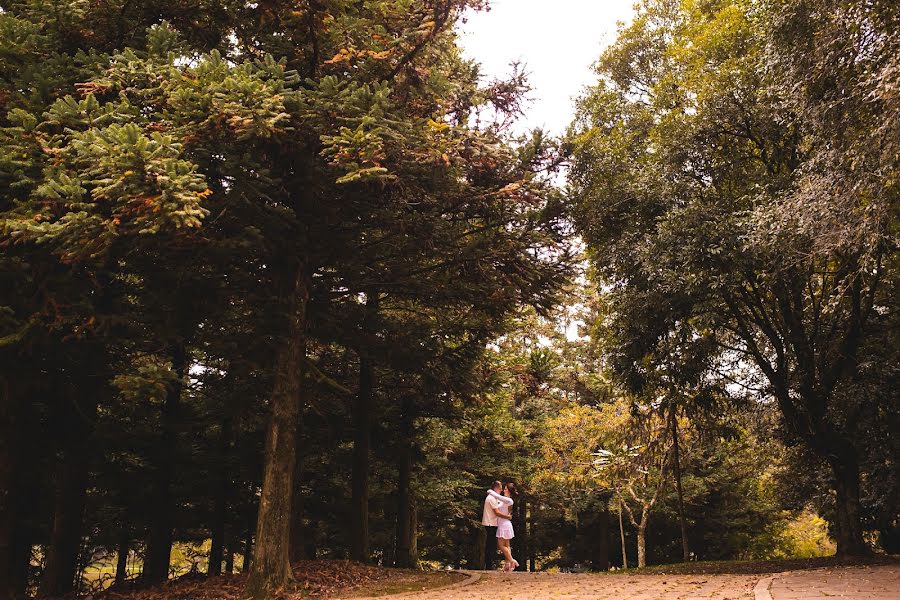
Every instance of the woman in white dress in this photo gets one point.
(504, 524)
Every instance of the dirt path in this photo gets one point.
(563, 586)
(879, 582)
(875, 582)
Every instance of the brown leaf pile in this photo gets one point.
(327, 577)
(313, 578)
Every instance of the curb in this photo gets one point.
(473, 577)
(761, 591)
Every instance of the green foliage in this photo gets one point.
(736, 256)
(169, 168)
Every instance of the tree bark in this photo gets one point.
(362, 442)
(251, 517)
(848, 531)
(642, 542)
(58, 576)
(22, 553)
(8, 501)
(27, 495)
(592, 536)
(641, 526)
(122, 557)
(478, 550)
(673, 423)
(299, 535)
(160, 528)
(362, 417)
(622, 535)
(601, 562)
(406, 555)
(248, 549)
(530, 518)
(270, 571)
(520, 542)
(222, 491)
(229, 557)
(61, 566)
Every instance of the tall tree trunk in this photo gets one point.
(581, 549)
(362, 422)
(162, 508)
(622, 535)
(71, 479)
(222, 491)
(478, 549)
(530, 519)
(248, 549)
(8, 501)
(299, 535)
(362, 440)
(252, 522)
(673, 424)
(270, 571)
(27, 495)
(601, 561)
(642, 541)
(23, 544)
(406, 509)
(229, 556)
(520, 542)
(58, 576)
(122, 557)
(848, 530)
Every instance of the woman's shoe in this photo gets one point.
(515, 565)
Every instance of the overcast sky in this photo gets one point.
(557, 40)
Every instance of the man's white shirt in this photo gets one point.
(489, 518)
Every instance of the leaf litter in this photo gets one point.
(312, 579)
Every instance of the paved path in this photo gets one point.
(862, 583)
(564, 586)
(875, 583)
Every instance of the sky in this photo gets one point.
(556, 40)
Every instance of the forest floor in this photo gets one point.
(314, 579)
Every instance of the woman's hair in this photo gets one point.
(512, 489)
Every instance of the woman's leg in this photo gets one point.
(507, 554)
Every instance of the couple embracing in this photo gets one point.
(497, 521)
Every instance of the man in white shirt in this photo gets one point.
(489, 520)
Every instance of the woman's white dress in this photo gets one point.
(504, 526)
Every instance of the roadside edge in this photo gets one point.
(761, 591)
(471, 577)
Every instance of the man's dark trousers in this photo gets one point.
(490, 548)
